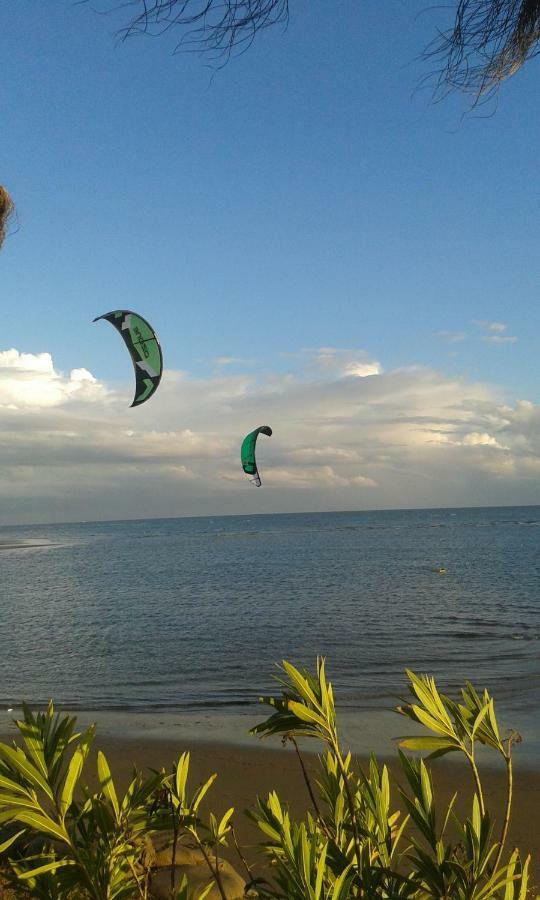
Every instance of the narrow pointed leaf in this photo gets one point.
(106, 782)
(48, 867)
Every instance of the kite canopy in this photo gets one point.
(247, 453)
(143, 345)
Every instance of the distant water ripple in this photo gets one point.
(193, 613)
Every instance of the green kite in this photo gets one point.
(247, 453)
(143, 346)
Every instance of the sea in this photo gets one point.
(185, 620)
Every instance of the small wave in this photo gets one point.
(27, 545)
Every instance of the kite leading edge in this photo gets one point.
(143, 346)
(247, 453)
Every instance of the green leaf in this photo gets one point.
(224, 824)
(301, 684)
(321, 865)
(106, 783)
(19, 761)
(11, 840)
(307, 715)
(425, 689)
(511, 868)
(201, 791)
(426, 742)
(34, 742)
(425, 781)
(41, 823)
(326, 692)
(17, 801)
(74, 770)
(480, 718)
(430, 721)
(476, 820)
(202, 893)
(182, 769)
(448, 813)
(524, 879)
(11, 785)
(48, 867)
(342, 885)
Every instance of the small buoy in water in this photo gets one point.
(441, 570)
(10, 709)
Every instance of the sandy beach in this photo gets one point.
(244, 772)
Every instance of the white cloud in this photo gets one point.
(72, 448)
(231, 361)
(452, 337)
(356, 363)
(26, 362)
(30, 380)
(499, 338)
(497, 327)
(362, 370)
(495, 332)
(481, 439)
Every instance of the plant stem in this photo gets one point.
(215, 872)
(142, 894)
(352, 810)
(240, 854)
(320, 818)
(509, 786)
(292, 738)
(175, 841)
(476, 776)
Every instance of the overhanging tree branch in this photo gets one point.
(488, 42)
(218, 26)
(7, 208)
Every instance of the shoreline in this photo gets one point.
(364, 730)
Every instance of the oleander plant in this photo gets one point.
(365, 835)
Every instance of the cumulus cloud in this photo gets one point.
(346, 435)
(357, 363)
(481, 439)
(30, 380)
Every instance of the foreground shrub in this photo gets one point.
(62, 840)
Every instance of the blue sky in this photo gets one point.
(305, 195)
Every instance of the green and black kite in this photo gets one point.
(247, 453)
(143, 345)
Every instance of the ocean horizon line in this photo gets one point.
(250, 515)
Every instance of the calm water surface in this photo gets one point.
(175, 614)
